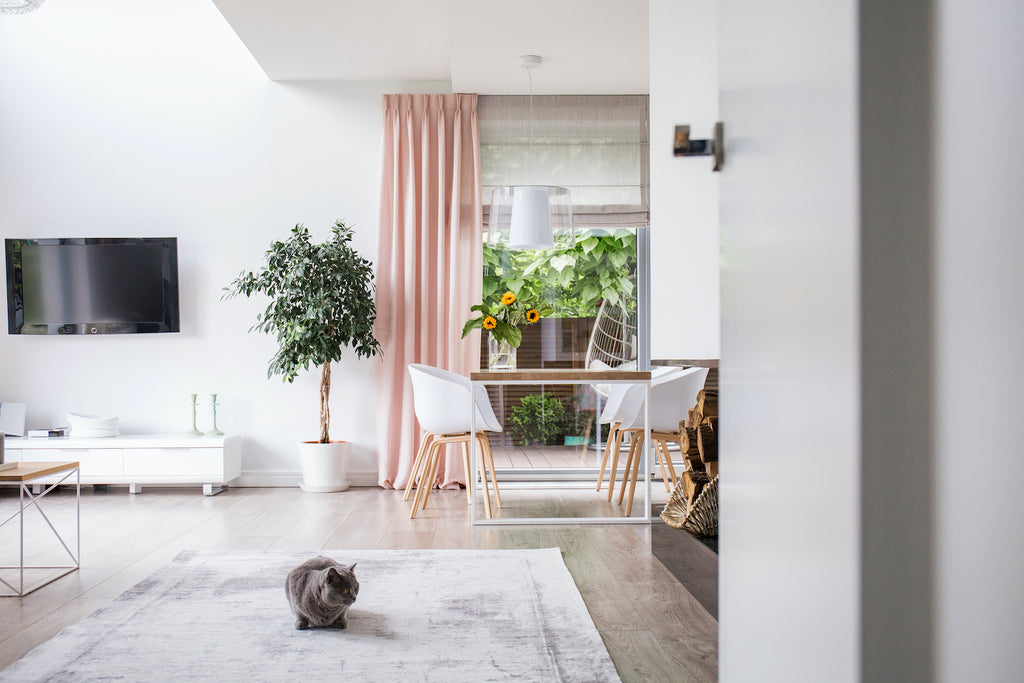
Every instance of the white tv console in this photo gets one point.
(136, 459)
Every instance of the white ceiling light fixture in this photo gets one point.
(19, 6)
(530, 213)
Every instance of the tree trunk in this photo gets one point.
(325, 409)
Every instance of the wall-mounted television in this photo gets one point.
(120, 285)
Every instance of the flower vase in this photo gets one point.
(500, 354)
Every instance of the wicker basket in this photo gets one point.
(701, 519)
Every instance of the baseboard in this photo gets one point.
(293, 479)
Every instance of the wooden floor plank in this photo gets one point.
(653, 628)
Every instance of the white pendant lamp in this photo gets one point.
(530, 214)
(531, 218)
(526, 216)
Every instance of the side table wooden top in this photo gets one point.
(27, 471)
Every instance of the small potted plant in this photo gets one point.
(538, 419)
(578, 421)
(321, 299)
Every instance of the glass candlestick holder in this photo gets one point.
(195, 430)
(213, 406)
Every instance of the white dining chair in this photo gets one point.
(442, 400)
(624, 400)
(672, 395)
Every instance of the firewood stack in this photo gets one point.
(700, 442)
(693, 505)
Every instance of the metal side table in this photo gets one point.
(24, 473)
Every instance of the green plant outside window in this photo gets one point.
(538, 419)
(573, 279)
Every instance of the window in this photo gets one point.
(597, 147)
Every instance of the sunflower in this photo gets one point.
(490, 322)
(532, 315)
(508, 298)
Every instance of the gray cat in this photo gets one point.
(320, 592)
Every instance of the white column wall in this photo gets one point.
(133, 119)
(812, 492)
(790, 378)
(979, 523)
(684, 191)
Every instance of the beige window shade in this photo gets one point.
(595, 145)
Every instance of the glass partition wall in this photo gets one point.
(591, 287)
(589, 292)
(553, 437)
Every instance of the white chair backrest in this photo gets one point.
(672, 395)
(441, 400)
(626, 399)
(616, 396)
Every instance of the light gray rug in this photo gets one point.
(422, 615)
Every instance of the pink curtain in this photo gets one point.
(429, 262)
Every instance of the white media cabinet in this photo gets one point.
(136, 459)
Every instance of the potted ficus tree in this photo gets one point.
(321, 300)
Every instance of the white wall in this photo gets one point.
(684, 191)
(871, 526)
(980, 323)
(789, 563)
(122, 118)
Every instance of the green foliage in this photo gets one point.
(539, 418)
(321, 299)
(576, 277)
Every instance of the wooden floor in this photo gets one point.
(653, 628)
(531, 457)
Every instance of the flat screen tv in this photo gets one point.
(92, 285)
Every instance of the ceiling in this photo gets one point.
(588, 46)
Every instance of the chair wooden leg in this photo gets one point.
(663, 460)
(417, 463)
(432, 472)
(617, 447)
(486, 449)
(425, 482)
(671, 467)
(604, 458)
(660, 463)
(469, 472)
(483, 483)
(633, 477)
(632, 460)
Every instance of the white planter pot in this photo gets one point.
(324, 466)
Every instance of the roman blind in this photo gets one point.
(595, 145)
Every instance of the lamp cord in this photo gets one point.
(529, 74)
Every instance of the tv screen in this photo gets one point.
(92, 285)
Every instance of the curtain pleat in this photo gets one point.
(429, 264)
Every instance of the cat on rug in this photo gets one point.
(320, 592)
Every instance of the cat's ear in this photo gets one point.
(352, 566)
(333, 570)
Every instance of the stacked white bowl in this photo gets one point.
(92, 426)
